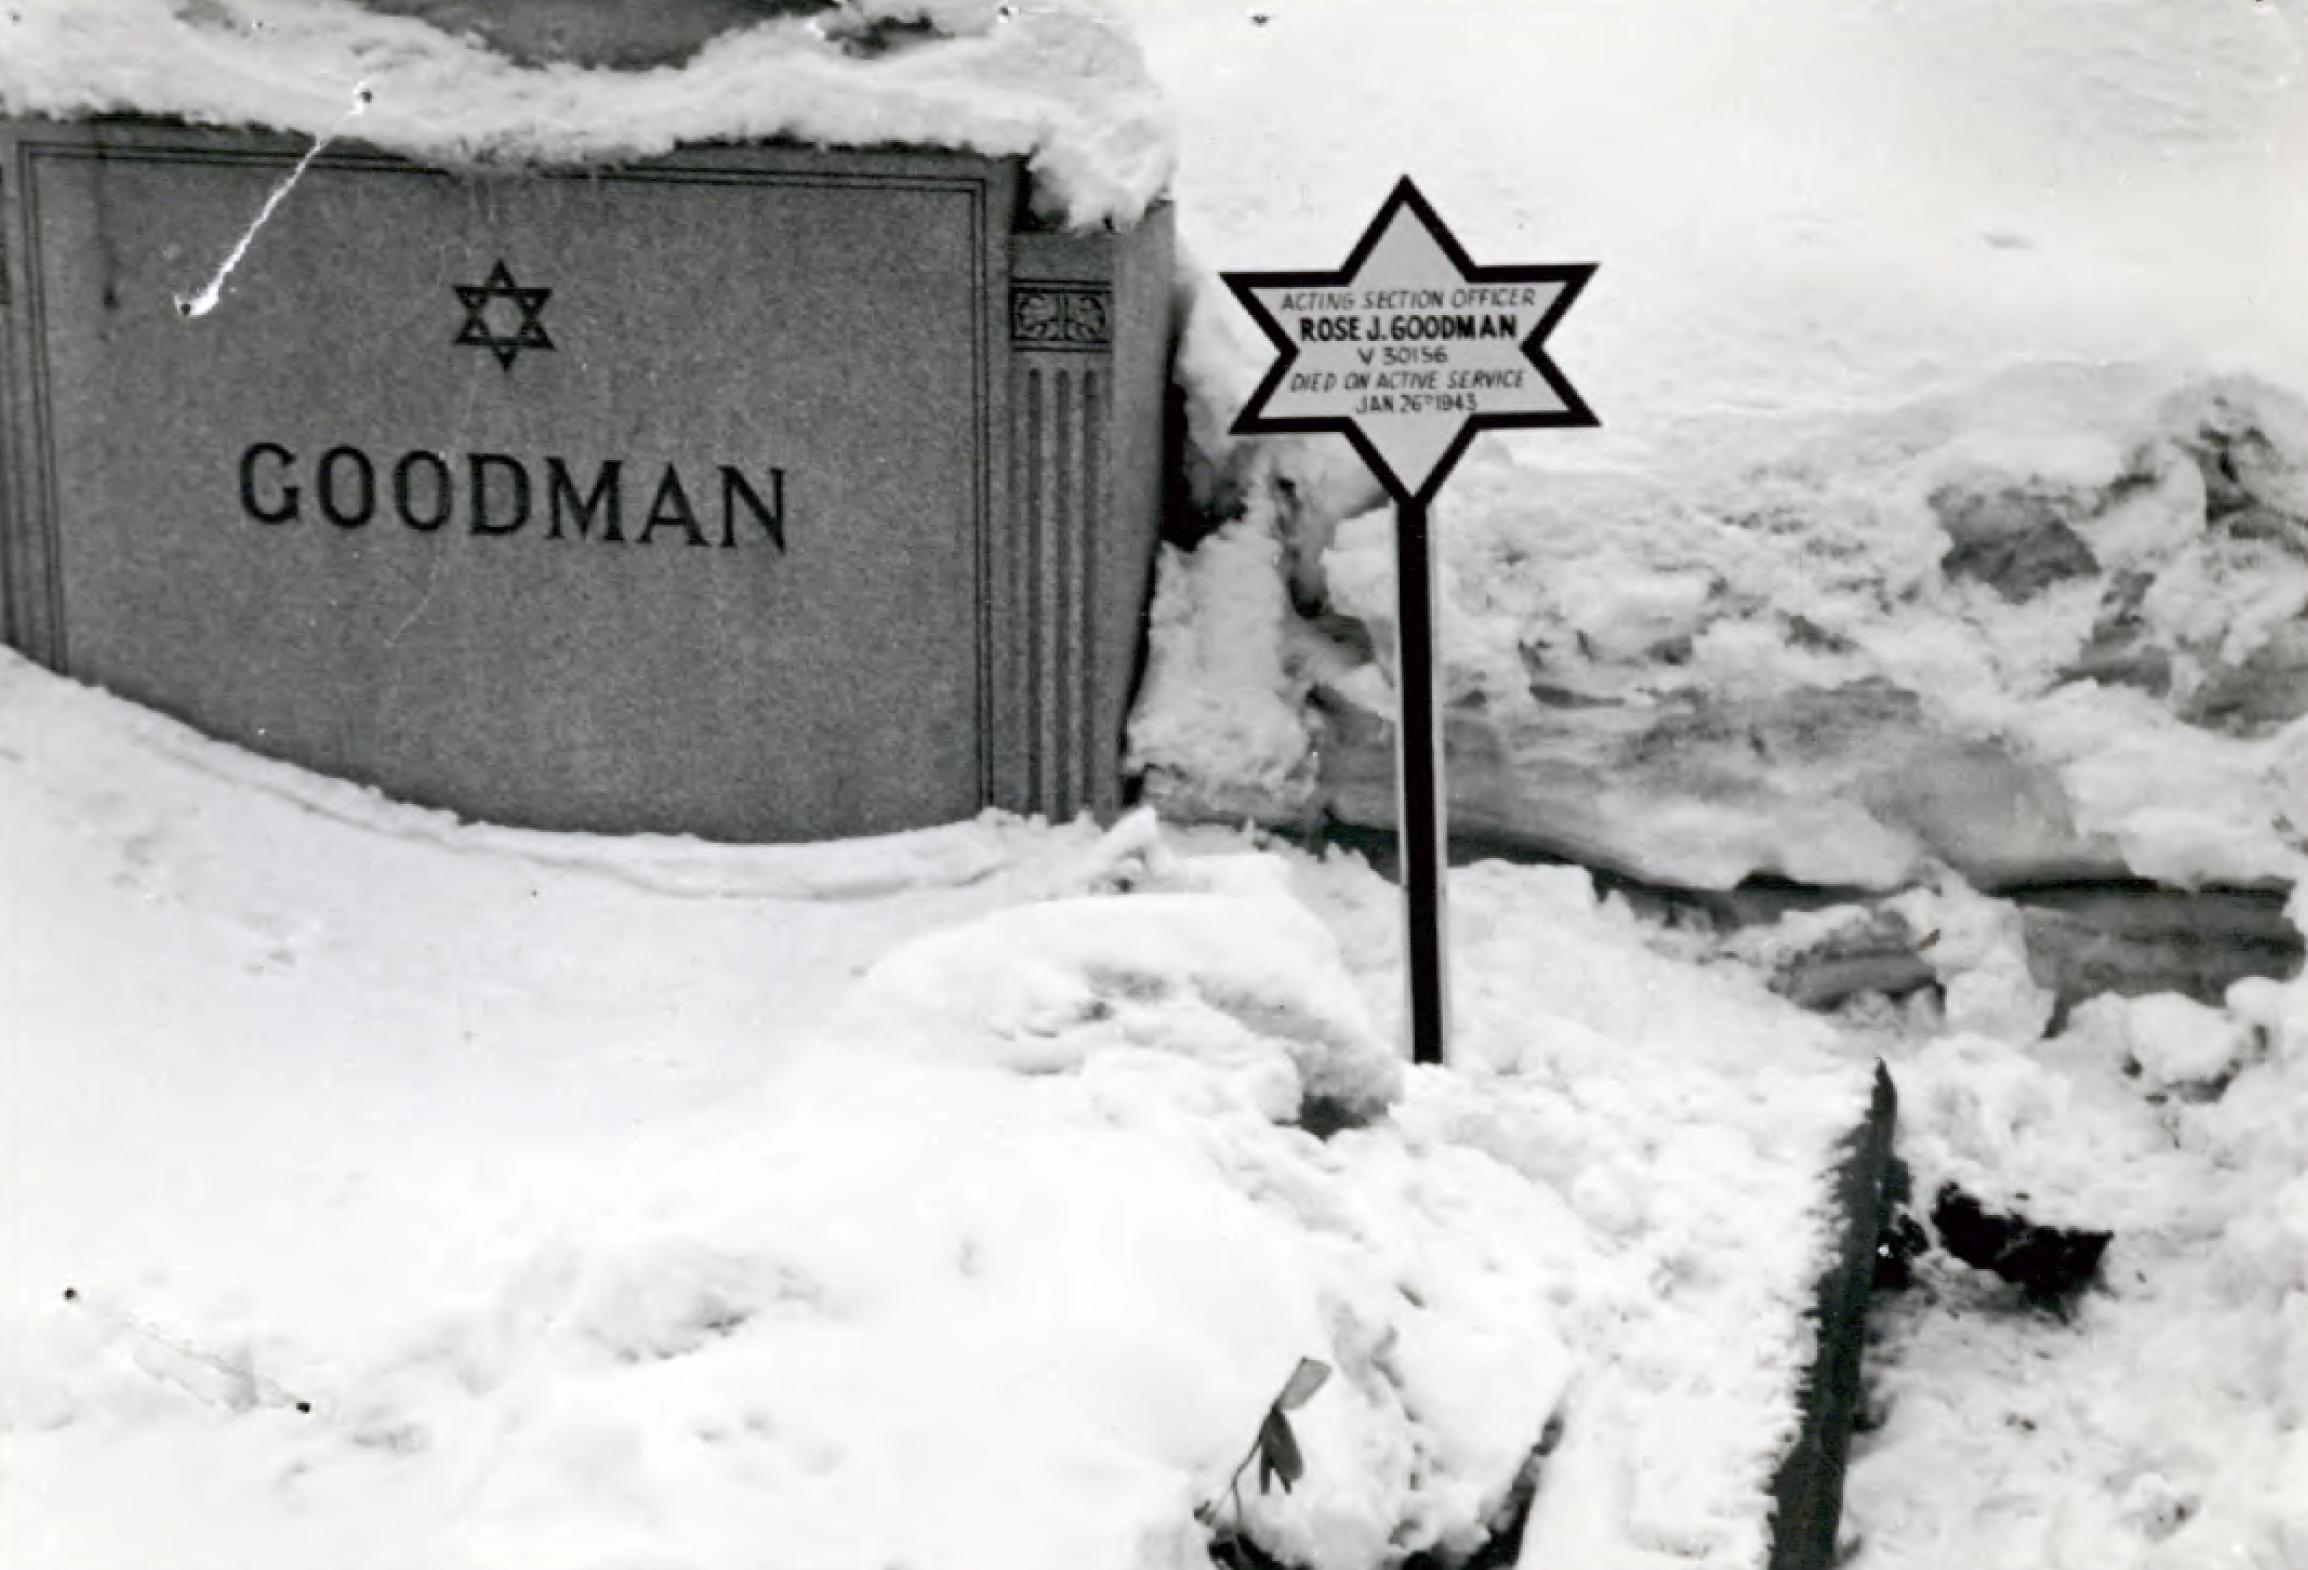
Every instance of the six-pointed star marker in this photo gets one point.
(530, 334)
(1409, 349)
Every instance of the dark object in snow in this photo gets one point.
(869, 38)
(1807, 1492)
(1277, 1454)
(1902, 1237)
(1895, 1251)
(1874, 951)
(2131, 937)
(1324, 1116)
(2124, 650)
(2050, 1264)
(2016, 539)
(2260, 695)
(1240, 1553)
(2249, 448)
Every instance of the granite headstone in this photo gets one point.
(756, 492)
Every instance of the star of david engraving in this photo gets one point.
(529, 333)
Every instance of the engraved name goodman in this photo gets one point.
(493, 493)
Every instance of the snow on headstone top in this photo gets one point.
(1058, 83)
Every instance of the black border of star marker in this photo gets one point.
(1572, 276)
(1421, 806)
(476, 333)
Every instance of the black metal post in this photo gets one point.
(1418, 775)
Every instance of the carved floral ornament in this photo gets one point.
(1060, 316)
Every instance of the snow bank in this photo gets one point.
(1225, 685)
(1058, 84)
(2052, 629)
(1889, 297)
(427, 1193)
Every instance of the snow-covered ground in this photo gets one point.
(440, 1195)
(2165, 1422)
(943, 1200)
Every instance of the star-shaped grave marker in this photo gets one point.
(527, 333)
(1410, 348)
(1407, 351)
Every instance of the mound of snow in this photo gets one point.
(2051, 630)
(1247, 986)
(1057, 83)
(436, 1194)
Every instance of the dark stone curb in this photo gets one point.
(1807, 1493)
